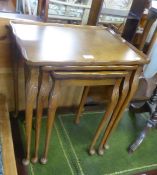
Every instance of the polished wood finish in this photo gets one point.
(83, 47)
(88, 76)
(8, 157)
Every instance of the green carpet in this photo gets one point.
(68, 148)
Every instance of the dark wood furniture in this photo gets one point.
(74, 49)
(151, 104)
(133, 19)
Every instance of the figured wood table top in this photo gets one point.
(71, 45)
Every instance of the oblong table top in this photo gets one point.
(71, 45)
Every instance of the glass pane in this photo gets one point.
(68, 9)
(115, 11)
(118, 4)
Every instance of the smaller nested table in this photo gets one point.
(74, 56)
(76, 78)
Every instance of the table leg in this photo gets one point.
(15, 72)
(122, 104)
(123, 95)
(31, 93)
(53, 103)
(42, 98)
(108, 113)
(83, 100)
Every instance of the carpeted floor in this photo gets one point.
(68, 148)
